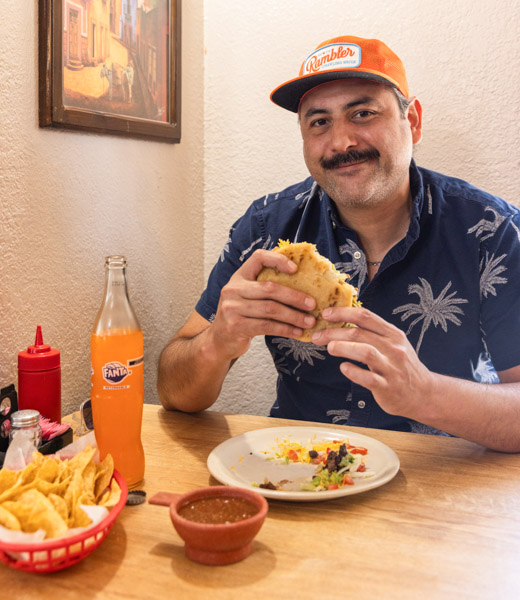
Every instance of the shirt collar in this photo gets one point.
(417, 191)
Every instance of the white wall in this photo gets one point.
(462, 62)
(69, 199)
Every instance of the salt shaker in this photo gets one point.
(26, 423)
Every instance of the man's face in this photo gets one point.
(356, 143)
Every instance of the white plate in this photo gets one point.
(242, 460)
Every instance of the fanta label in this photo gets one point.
(333, 56)
(115, 372)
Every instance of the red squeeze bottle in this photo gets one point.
(39, 379)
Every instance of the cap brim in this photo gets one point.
(289, 94)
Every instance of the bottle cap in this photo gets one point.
(40, 357)
(25, 418)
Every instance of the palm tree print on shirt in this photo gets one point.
(341, 415)
(516, 229)
(487, 226)
(226, 246)
(281, 366)
(353, 267)
(266, 246)
(306, 195)
(490, 270)
(430, 310)
(301, 351)
(484, 372)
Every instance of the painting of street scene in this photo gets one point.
(116, 57)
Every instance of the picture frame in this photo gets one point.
(111, 67)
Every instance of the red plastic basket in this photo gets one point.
(55, 555)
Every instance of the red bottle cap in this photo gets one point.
(40, 357)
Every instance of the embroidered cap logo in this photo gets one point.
(333, 56)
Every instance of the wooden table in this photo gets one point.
(447, 526)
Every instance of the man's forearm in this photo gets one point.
(488, 414)
(191, 373)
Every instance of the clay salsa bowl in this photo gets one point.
(215, 543)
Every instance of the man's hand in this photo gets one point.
(248, 308)
(396, 377)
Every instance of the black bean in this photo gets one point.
(331, 461)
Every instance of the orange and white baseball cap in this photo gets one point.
(340, 58)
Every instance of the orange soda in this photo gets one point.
(117, 393)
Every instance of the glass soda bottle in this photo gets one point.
(117, 394)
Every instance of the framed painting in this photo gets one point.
(111, 66)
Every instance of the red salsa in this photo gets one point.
(219, 509)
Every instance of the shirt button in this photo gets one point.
(361, 404)
(357, 254)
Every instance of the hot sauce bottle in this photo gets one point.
(39, 379)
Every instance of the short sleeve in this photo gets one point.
(500, 293)
(245, 236)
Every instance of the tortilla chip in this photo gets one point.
(80, 518)
(7, 479)
(15, 491)
(72, 494)
(105, 471)
(49, 470)
(112, 496)
(60, 506)
(8, 520)
(89, 477)
(35, 511)
(28, 474)
(81, 460)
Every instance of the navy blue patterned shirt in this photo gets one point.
(452, 285)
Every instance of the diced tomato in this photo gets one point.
(328, 450)
(358, 451)
(347, 479)
(317, 460)
(361, 468)
(292, 455)
(333, 486)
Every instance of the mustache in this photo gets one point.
(345, 158)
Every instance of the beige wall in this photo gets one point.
(461, 59)
(68, 199)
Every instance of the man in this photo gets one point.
(436, 262)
